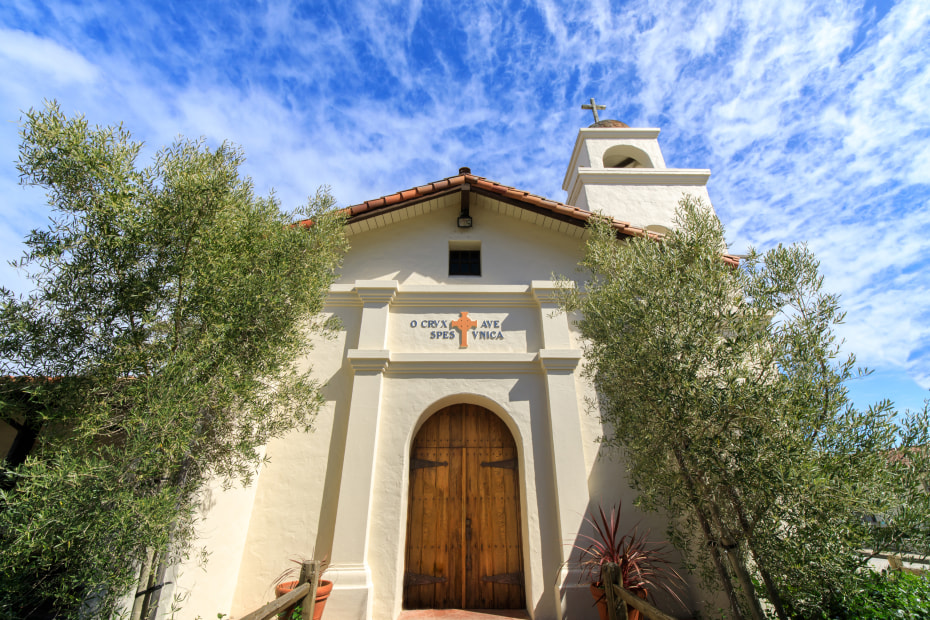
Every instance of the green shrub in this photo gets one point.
(885, 595)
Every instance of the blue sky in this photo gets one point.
(813, 116)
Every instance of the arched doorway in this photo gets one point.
(464, 546)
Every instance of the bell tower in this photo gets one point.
(619, 171)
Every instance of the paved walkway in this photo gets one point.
(462, 614)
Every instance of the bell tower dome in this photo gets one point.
(619, 171)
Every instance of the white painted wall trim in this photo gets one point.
(439, 295)
(651, 177)
(462, 363)
(644, 176)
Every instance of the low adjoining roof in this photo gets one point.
(466, 181)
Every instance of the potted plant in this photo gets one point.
(287, 581)
(644, 565)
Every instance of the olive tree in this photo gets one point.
(157, 351)
(724, 387)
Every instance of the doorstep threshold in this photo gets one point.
(462, 614)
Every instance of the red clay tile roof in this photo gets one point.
(505, 193)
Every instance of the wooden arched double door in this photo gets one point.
(464, 547)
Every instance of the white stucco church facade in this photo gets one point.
(456, 455)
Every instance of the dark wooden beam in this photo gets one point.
(466, 194)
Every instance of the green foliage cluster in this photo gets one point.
(884, 596)
(159, 350)
(724, 389)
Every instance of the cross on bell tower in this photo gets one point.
(594, 108)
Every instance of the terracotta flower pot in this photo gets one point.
(600, 599)
(322, 593)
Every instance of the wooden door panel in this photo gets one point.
(497, 578)
(434, 531)
(463, 529)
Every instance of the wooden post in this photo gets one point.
(272, 609)
(610, 577)
(309, 573)
(648, 611)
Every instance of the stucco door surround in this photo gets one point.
(464, 548)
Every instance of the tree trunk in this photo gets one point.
(712, 545)
(774, 596)
(144, 571)
(150, 599)
(735, 556)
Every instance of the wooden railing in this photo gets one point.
(896, 563)
(304, 595)
(618, 598)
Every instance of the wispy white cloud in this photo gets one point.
(812, 116)
(22, 52)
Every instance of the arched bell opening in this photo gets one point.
(626, 156)
(464, 546)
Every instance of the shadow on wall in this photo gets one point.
(609, 488)
(337, 390)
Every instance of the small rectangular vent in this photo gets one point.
(464, 262)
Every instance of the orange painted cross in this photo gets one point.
(462, 324)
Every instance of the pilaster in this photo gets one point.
(559, 362)
(376, 296)
(352, 595)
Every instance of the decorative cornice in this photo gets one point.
(439, 295)
(618, 133)
(547, 291)
(376, 291)
(463, 363)
(559, 359)
(644, 176)
(452, 295)
(370, 360)
(458, 363)
(341, 296)
(635, 177)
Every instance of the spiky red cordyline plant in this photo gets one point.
(644, 565)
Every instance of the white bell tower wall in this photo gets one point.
(620, 171)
